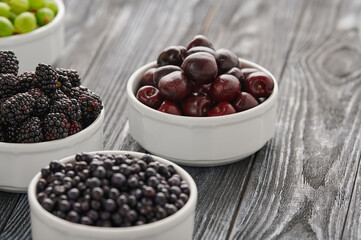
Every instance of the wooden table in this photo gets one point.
(303, 184)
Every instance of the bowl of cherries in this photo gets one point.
(202, 107)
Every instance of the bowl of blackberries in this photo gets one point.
(44, 115)
(202, 107)
(33, 29)
(112, 195)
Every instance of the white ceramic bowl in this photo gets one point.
(19, 162)
(201, 141)
(43, 45)
(178, 226)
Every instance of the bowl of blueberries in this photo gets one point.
(44, 115)
(112, 195)
(199, 106)
(33, 29)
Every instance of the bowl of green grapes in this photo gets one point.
(33, 29)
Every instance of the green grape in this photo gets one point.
(12, 16)
(44, 16)
(4, 9)
(6, 27)
(19, 6)
(36, 4)
(52, 5)
(25, 22)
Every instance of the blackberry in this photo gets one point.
(12, 134)
(64, 84)
(90, 104)
(8, 63)
(17, 108)
(70, 107)
(75, 127)
(26, 81)
(3, 134)
(47, 78)
(72, 75)
(30, 131)
(8, 85)
(58, 94)
(42, 102)
(55, 126)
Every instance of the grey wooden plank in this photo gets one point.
(301, 183)
(18, 226)
(87, 24)
(8, 202)
(349, 25)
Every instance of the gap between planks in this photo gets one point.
(352, 193)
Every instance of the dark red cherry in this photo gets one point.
(197, 105)
(238, 74)
(225, 88)
(226, 60)
(173, 55)
(202, 49)
(150, 96)
(248, 71)
(200, 67)
(174, 86)
(259, 84)
(244, 101)
(162, 71)
(222, 108)
(199, 40)
(204, 88)
(147, 78)
(170, 107)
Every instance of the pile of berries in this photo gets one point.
(22, 16)
(111, 190)
(44, 105)
(199, 81)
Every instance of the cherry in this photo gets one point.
(149, 96)
(259, 84)
(199, 40)
(170, 107)
(226, 60)
(162, 71)
(200, 67)
(173, 55)
(205, 88)
(225, 88)
(197, 105)
(247, 71)
(174, 86)
(147, 78)
(238, 74)
(222, 108)
(244, 101)
(202, 49)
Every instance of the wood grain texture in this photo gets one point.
(8, 202)
(302, 182)
(18, 225)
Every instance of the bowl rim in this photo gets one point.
(62, 224)
(39, 32)
(4, 146)
(199, 121)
